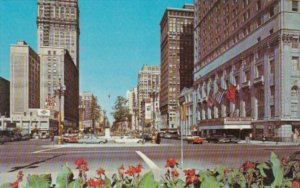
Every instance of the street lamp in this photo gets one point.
(60, 91)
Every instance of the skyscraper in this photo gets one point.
(25, 79)
(58, 46)
(58, 26)
(176, 60)
(148, 83)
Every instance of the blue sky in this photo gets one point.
(116, 38)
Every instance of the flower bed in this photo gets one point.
(272, 173)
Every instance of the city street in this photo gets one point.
(40, 156)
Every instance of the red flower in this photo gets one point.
(191, 179)
(80, 162)
(190, 172)
(171, 162)
(227, 170)
(95, 182)
(138, 168)
(296, 184)
(84, 167)
(100, 171)
(15, 184)
(121, 167)
(130, 171)
(191, 176)
(175, 173)
(249, 164)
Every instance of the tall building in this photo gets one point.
(58, 45)
(58, 26)
(58, 69)
(132, 106)
(4, 97)
(250, 50)
(176, 60)
(25, 78)
(148, 88)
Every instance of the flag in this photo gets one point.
(231, 93)
(219, 95)
(210, 100)
(183, 112)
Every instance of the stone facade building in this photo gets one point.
(58, 26)
(253, 48)
(176, 44)
(147, 89)
(58, 68)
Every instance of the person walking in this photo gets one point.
(158, 138)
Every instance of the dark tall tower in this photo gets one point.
(176, 60)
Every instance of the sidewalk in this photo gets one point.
(269, 143)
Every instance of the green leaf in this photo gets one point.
(209, 182)
(64, 177)
(277, 170)
(36, 181)
(107, 182)
(75, 184)
(6, 185)
(220, 171)
(148, 181)
(179, 183)
(261, 168)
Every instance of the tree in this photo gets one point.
(121, 111)
(95, 111)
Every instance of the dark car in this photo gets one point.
(9, 134)
(214, 138)
(4, 138)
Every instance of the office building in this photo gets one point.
(176, 60)
(148, 88)
(246, 68)
(58, 73)
(58, 26)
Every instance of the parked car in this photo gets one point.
(4, 138)
(44, 135)
(214, 138)
(25, 137)
(171, 135)
(9, 134)
(233, 139)
(92, 139)
(128, 139)
(70, 139)
(194, 140)
(17, 136)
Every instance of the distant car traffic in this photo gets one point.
(128, 139)
(194, 140)
(222, 139)
(92, 139)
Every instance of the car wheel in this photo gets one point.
(139, 142)
(101, 142)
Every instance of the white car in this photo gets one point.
(128, 139)
(92, 139)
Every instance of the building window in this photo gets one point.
(295, 63)
(295, 43)
(258, 5)
(271, 12)
(295, 6)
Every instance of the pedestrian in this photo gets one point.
(158, 138)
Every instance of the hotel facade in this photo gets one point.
(253, 48)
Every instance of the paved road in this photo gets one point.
(40, 156)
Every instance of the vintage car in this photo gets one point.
(128, 139)
(92, 139)
(194, 140)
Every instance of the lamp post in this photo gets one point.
(59, 91)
